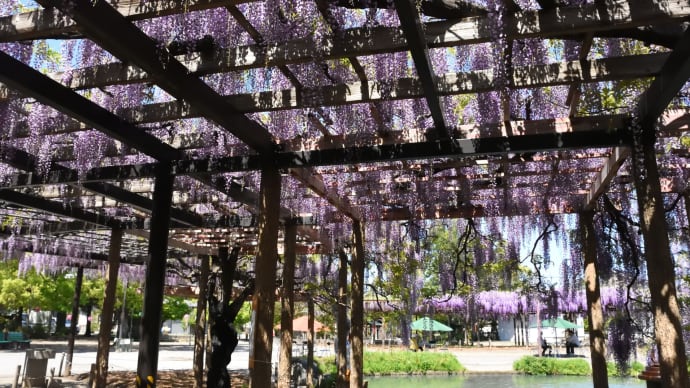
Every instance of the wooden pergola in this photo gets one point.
(263, 179)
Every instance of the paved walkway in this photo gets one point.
(498, 358)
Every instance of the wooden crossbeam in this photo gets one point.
(653, 101)
(307, 178)
(628, 67)
(58, 208)
(49, 23)
(673, 75)
(99, 20)
(573, 98)
(32, 83)
(315, 183)
(130, 43)
(22, 160)
(605, 175)
(619, 14)
(605, 136)
(49, 92)
(365, 41)
(414, 34)
(457, 148)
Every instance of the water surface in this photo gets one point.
(496, 381)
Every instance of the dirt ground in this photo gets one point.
(166, 379)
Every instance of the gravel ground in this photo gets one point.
(497, 358)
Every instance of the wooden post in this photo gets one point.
(660, 266)
(15, 383)
(343, 329)
(686, 200)
(108, 308)
(200, 326)
(75, 319)
(147, 364)
(595, 313)
(310, 341)
(357, 309)
(287, 306)
(265, 284)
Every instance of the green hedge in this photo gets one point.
(386, 363)
(552, 366)
(635, 369)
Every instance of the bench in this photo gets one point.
(15, 340)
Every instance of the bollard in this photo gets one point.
(61, 361)
(16, 376)
(92, 375)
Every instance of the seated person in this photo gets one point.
(415, 345)
(571, 342)
(544, 345)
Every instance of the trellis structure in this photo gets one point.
(329, 137)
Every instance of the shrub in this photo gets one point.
(634, 369)
(386, 363)
(543, 366)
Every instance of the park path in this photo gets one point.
(498, 358)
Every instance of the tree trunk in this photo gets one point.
(310, 342)
(287, 307)
(88, 311)
(264, 296)
(200, 323)
(108, 308)
(595, 313)
(343, 329)
(75, 319)
(60, 322)
(357, 309)
(660, 267)
(223, 334)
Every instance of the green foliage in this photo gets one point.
(405, 362)
(244, 316)
(635, 369)
(14, 293)
(175, 308)
(544, 366)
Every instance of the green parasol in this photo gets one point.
(428, 324)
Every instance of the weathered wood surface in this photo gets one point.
(360, 42)
(404, 88)
(50, 23)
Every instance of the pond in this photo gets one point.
(496, 381)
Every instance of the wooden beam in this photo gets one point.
(366, 41)
(150, 326)
(315, 183)
(405, 88)
(307, 178)
(58, 208)
(653, 101)
(49, 23)
(537, 135)
(674, 74)
(174, 243)
(414, 34)
(98, 21)
(619, 14)
(573, 97)
(22, 160)
(402, 214)
(32, 83)
(456, 148)
(132, 44)
(606, 174)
